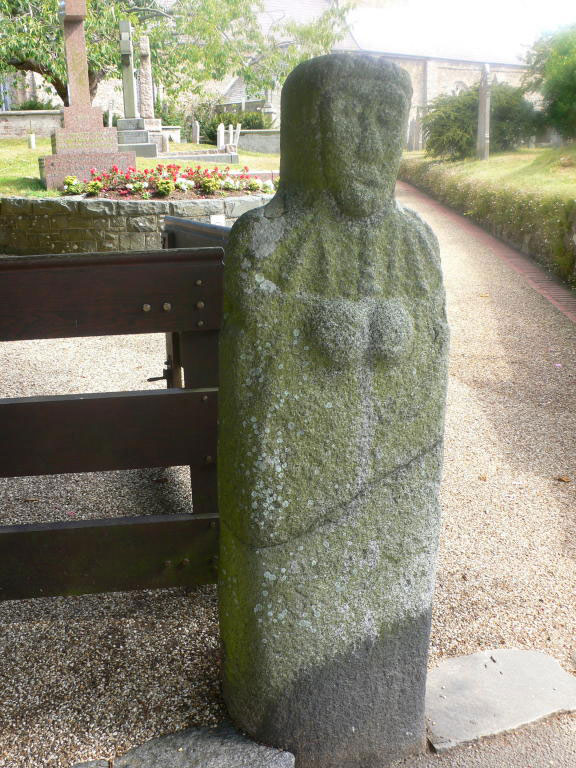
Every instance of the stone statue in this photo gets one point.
(333, 377)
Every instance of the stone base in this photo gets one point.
(205, 747)
(133, 137)
(156, 137)
(141, 150)
(66, 141)
(83, 118)
(130, 124)
(152, 123)
(55, 168)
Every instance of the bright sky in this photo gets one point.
(485, 30)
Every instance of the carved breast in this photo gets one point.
(349, 332)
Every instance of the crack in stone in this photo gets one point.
(327, 520)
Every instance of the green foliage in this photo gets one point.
(451, 125)
(164, 187)
(249, 121)
(552, 71)
(540, 224)
(35, 103)
(193, 42)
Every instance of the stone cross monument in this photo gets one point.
(147, 88)
(82, 142)
(142, 135)
(333, 378)
(128, 79)
(483, 137)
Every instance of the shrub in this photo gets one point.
(451, 125)
(541, 225)
(35, 103)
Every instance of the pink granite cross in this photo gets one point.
(72, 14)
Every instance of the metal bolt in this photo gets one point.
(146, 307)
(166, 306)
(199, 282)
(204, 397)
(208, 459)
(167, 563)
(185, 562)
(200, 305)
(200, 323)
(212, 523)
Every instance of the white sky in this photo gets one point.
(485, 30)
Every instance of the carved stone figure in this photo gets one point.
(333, 377)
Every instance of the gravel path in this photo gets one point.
(84, 677)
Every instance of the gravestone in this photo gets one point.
(483, 137)
(128, 79)
(221, 137)
(195, 132)
(151, 123)
(82, 142)
(132, 130)
(333, 376)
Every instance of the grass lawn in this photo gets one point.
(531, 170)
(19, 165)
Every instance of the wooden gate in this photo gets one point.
(177, 292)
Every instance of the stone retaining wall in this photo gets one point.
(75, 225)
(22, 122)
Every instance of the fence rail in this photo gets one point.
(178, 292)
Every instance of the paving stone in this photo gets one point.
(491, 692)
(222, 747)
(93, 764)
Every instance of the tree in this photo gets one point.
(193, 42)
(552, 71)
(451, 125)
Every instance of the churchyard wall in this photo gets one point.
(70, 225)
(19, 123)
(541, 225)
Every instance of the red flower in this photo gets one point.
(93, 171)
(115, 168)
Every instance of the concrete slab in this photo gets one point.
(491, 692)
(222, 747)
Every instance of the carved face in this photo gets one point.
(363, 132)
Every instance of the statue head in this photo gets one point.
(344, 119)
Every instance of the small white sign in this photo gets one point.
(218, 218)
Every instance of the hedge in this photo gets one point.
(541, 225)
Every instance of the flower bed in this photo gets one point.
(164, 181)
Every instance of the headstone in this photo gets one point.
(128, 80)
(333, 377)
(146, 86)
(230, 134)
(31, 141)
(483, 137)
(236, 140)
(196, 132)
(82, 142)
(221, 137)
(165, 143)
